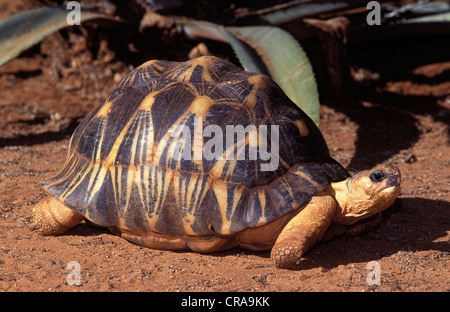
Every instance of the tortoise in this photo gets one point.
(134, 167)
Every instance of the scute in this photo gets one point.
(122, 170)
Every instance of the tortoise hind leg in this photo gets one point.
(303, 231)
(51, 217)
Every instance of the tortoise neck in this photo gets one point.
(340, 192)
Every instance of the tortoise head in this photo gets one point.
(366, 194)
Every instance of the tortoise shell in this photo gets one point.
(123, 169)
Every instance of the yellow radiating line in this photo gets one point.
(189, 218)
(198, 142)
(148, 136)
(74, 185)
(183, 193)
(73, 160)
(155, 197)
(233, 163)
(185, 76)
(206, 76)
(103, 112)
(217, 170)
(174, 131)
(90, 188)
(190, 191)
(151, 219)
(176, 188)
(153, 179)
(283, 162)
(250, 100)
(237, 193)
(131, 172)
(158, 183)
(148, 64)
(146, 182)
(175, 134)
(163, 187)
(200, 194)
(302, 127)
(98, 165)
(138, 180)
(112, 171)
(262, 202)
(306, 177)
(130, 178)
(70, 154)
(99, 182)
(111, 158)
(146, 106)
(288, 187)
(167, 183)
(119, 185)
(131, 78)
(221, 193)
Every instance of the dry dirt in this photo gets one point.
(400, 117)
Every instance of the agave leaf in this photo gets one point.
(307, 9)
(249, 59)
(23, 30)
(270, 51)
(437, 18)
(431, 8)
(287, 64)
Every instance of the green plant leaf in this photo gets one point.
(306, 9)
(437, 18)
(23, 30)
(287, 64)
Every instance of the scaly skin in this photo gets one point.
(303, 231)
(51, 217)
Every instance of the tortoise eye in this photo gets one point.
(377, 176)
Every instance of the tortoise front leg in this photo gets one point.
(303, 231)
(51, 217)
